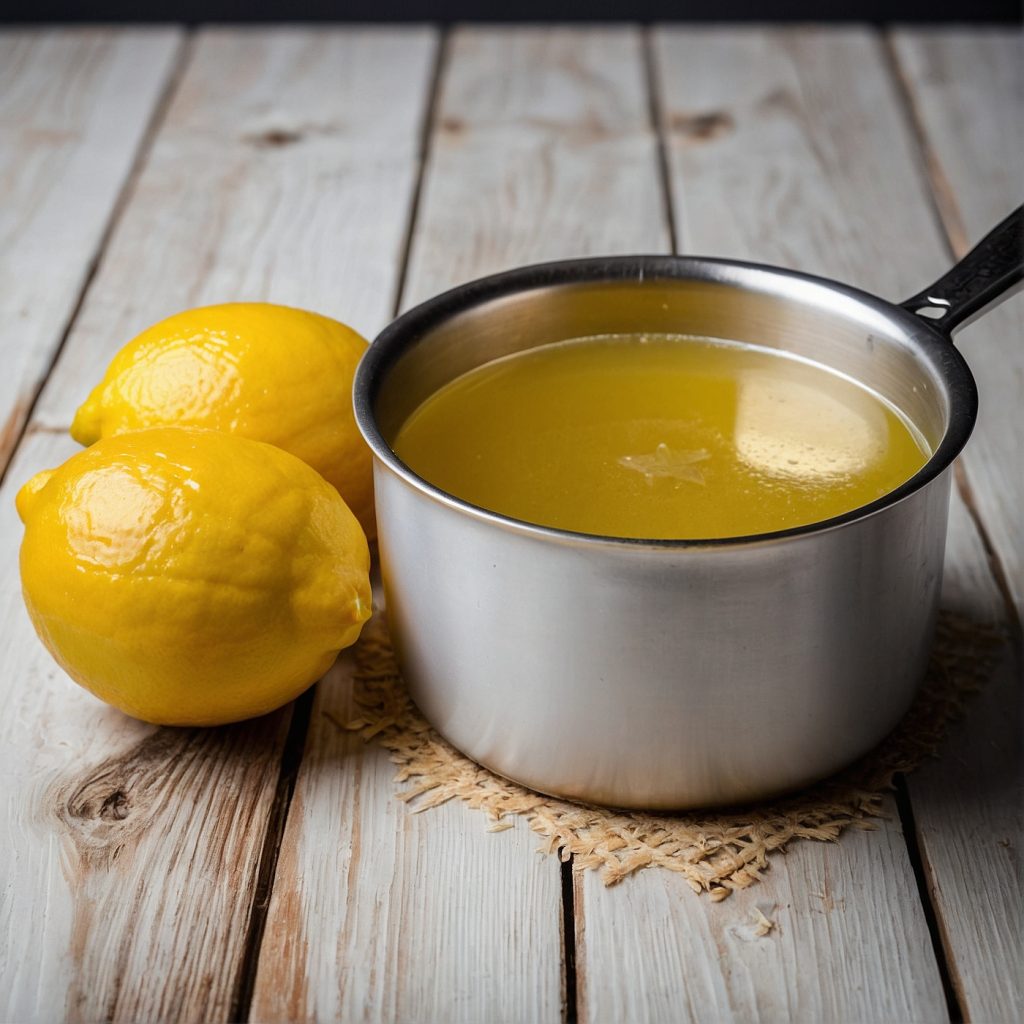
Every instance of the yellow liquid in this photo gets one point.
(660, 437)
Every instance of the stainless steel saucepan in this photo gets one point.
(672, 674)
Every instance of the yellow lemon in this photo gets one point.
(268, 372)
(190, 577)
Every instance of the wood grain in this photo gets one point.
(74, 108)
(784, 146)
(967, 89)
(283, 172)
(541, 148)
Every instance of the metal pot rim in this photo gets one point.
(793, 285)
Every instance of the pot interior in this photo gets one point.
(877, 344)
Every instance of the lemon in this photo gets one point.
(191, 577)
(268, 372)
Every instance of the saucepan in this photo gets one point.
(671, 674)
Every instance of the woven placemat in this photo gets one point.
(716, 851)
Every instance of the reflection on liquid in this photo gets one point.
(808, 432)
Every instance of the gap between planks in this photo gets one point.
(954, 1004)
(570, 994)
(657, 120)
(423, 157)
(291, 760)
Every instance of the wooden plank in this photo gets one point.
(74, 108)
(970, 823)
(652, 951)
(967, 90)
(541, 148)
(785, 146)
(284, 171)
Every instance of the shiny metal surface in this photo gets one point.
(663, 674)
(987, 275)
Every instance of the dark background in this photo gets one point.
(194, 11)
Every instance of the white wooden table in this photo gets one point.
(265, 871)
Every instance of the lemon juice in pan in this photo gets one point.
(660, 437)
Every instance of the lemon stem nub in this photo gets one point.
(85, 427)
(27, 495)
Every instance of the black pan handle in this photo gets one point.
(992, 271)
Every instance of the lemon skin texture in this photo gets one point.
(191, 577)
(264, 371)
